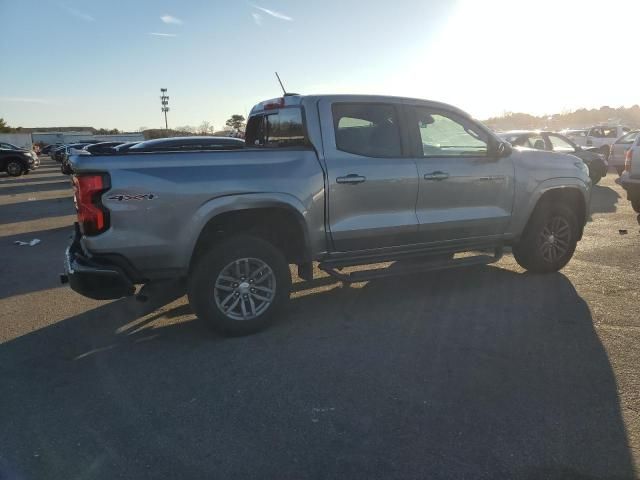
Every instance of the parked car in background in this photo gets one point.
(556, 142)
(72, 149)
(577, 136)
(619, 150)
(603, 136)
(58, 153)
(46, 150)
(344, 180)
(102, 147)
(17, 161)
(630, 177)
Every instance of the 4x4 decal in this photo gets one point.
(126, 196)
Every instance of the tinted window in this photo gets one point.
(283, 128)
(560, 144)
(519, 141)
(610, 132)
(442, 135)
(367, 129)
(577, 133)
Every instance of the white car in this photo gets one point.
(630, 178)
(619, 150)
(579, 137)
(603, 136)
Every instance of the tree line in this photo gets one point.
(582, 118)
(235, 123)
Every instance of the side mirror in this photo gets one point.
(502, 150)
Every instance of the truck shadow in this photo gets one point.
(62, 185)
(603, 199)
(32, 178)
(36, 209)
(476, 373)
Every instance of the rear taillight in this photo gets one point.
(93, 217)
(628, 157)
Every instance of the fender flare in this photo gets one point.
(238, 202)
(544, 187)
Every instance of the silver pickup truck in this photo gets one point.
(342, 180)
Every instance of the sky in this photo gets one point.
(102, 64)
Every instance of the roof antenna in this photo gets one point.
(281, 85)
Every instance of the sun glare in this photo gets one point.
(537, 57)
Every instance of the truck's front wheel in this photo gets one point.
(239, 285)
(549, 239)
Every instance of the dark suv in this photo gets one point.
(16, 161)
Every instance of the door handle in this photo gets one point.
(437, 176)
(493, 178)
(351, 179)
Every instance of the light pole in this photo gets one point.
(164, 99)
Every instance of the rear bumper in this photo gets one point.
(92, 277)
(630, 184)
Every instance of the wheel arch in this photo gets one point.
(277, 218)
(573, 195)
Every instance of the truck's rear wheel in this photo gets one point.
(239, 285)
(549, 240)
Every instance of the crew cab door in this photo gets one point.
(372, 183)
(465, 192)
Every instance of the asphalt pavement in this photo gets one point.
(484, 372)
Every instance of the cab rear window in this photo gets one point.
(281, 128)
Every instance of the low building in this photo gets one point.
(49, 138)
(22, 140)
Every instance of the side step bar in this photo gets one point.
(425, 266)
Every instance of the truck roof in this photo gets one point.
(291, 100)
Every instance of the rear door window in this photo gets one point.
(367, 129)
(282, 128)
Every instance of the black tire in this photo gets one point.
(635, 203)
(205, 297)
(15, 168)
(66, 169)
(535, 252)
(605, 150)
(619, 170)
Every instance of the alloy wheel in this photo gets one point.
(245, 288)
(554, 240)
